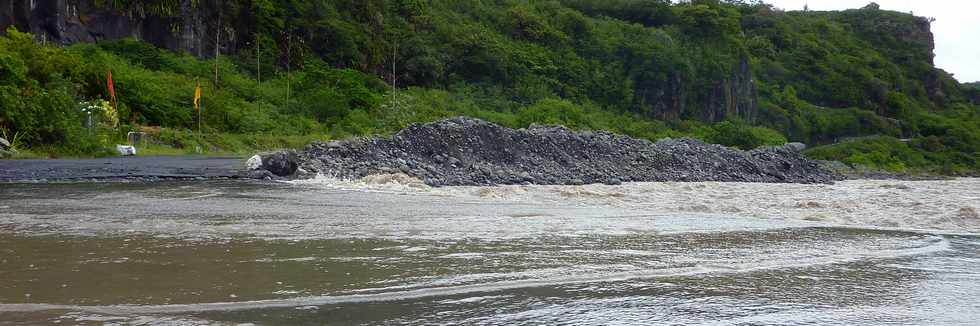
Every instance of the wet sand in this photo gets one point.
(140, 168)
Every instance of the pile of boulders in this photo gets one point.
(467, 151)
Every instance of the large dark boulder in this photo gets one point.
(279, 163)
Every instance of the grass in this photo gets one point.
(178, 142)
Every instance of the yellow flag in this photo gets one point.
(197, 96)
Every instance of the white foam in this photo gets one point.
(397, 182)
(915, 205)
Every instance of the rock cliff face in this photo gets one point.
(918, 35)
(72, 21)
(733, 97)
(906, 39)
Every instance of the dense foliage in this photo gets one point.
(731, 72)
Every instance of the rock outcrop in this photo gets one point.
(733, 97)
(466, 151)
(191, 27)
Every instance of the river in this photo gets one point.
(390, 250)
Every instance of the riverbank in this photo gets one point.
(186, 167)
(139, 168)
(466, 152)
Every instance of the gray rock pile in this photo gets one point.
(465, 151)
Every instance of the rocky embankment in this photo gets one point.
(465, 151)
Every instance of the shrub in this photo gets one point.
(886, 153)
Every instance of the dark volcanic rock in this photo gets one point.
(190, 27)
(465, 151)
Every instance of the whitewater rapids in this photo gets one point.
(387, 249)
(947, 205)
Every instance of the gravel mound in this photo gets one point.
(465, 151)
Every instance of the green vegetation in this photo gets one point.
(731, 72)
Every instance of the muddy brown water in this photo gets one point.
(389, 250)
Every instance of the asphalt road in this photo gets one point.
(139, 167)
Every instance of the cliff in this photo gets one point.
(668, 81)
(192, 27)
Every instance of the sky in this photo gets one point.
(956, 29)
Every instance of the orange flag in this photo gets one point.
(197, 96)
(109, 84)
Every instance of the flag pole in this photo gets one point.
(198, 99)
(199, 109)
(200, 136)
(199, 119)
